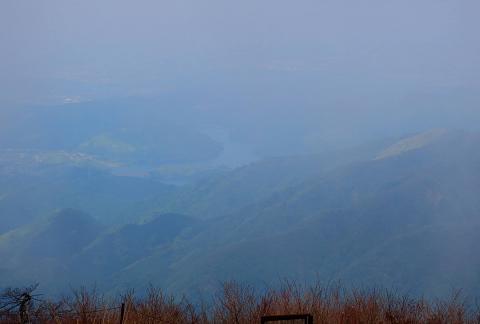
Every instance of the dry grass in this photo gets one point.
(243, 304)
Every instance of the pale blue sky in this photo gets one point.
(396, 60)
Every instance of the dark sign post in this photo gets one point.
(276, 319)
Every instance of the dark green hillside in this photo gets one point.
(400, 221)
(226, 193)
(123, 246)
(59, 235)
(64, 234)
(406, 217)
(43, 249)
(25, 197)
(70, 246)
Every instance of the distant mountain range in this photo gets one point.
(402, 214)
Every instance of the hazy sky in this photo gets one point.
(395, 59)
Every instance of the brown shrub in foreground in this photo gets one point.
(242, 304)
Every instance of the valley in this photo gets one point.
(407, 221)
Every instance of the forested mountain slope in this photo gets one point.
(409, 220)
(405, 216)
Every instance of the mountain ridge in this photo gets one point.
(386, 220)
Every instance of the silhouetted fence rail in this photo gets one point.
(287, 319)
